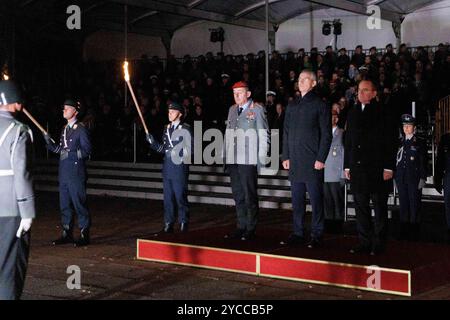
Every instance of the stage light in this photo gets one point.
(337, 28)
(217, 35)
(326, 29)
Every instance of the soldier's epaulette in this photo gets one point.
(255, 105)
(22, 125)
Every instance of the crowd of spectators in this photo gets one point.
(203, 86)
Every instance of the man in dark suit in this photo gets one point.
(442, 175)
(369, 162)
(306, 142)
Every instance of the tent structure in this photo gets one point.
(163, 18)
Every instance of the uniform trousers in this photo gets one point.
(13, 258)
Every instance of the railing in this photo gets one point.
(442, 118)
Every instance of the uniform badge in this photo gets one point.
(75, 126)
(250, 116)
(412, 158)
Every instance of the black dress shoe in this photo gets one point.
(236, 234)
(314, 243)
(84, 239)
(248, 235)
(66, 237)
(168, 228)
(184, 227)
(293, 240)
(360, 248)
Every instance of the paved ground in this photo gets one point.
(109, 269)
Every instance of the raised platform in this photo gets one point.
(207, 184)
(406, 268)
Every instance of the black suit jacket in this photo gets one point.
(307, 137)
(370, 147)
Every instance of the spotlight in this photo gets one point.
(326, 29)
(337, 28)
(217, 35)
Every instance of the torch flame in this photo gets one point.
(125, 70)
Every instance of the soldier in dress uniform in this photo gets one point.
(74, 149)
(244, 156)
(177, 149)
(410, 177)
(16, 194)
(334, 183)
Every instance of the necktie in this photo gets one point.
(172, 127)
(240, 111)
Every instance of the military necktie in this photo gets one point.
(240, 111)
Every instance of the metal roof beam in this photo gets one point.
(300, 12)
(193, 13)
(143, 16)
(354, 7)
(195, 3)
(255, 7)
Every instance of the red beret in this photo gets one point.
(240, 84)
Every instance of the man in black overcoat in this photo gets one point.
(306, 142)
(369, 162)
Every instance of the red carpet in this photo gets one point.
(405, 268)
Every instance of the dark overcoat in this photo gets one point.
(307, 137)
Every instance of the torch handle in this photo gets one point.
(35, 122)
(137, 106)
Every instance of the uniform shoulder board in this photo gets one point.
(23, 126)
(256, 105)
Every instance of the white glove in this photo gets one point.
(25, 225)
(421, 184)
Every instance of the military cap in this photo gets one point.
(175, 106)
(72, 103)
(240, 84)
(408, 119)
(224, 75)
(10, 93)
